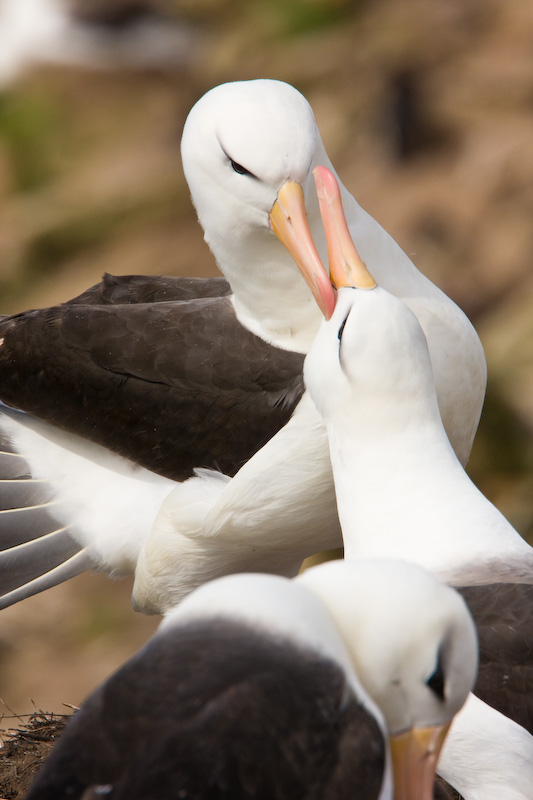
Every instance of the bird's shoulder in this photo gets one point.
(128, 289)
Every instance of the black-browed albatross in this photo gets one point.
(257, 687)
(402, 493)
(202, 381)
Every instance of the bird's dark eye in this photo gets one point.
(341, 330)
(436, 680)
(238, 168)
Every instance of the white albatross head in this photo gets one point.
(248, 150)
(370, 361)
(413, 645)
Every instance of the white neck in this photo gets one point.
(403, 494)
(459, 368)
(270, 297)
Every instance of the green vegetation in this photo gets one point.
(29, 124)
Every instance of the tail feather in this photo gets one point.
(78, 563)
(67, 506)
(27, 561)
(36, 551)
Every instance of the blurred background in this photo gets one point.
(426, 110)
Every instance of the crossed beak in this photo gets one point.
(288, 220)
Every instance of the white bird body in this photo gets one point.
(241, 143)
(402, 493)
(394, 467)
(210, 526)
(257, 498)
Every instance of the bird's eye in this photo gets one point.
(341, 330)
(436, 680)
(238, 168)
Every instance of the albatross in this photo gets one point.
(402, 493)
(131, 388)
(257, 686)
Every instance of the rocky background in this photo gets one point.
(426, 110)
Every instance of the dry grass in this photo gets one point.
(24, 747)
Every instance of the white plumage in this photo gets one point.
(243, 142)
(402, 493)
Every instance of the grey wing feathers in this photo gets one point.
(17, 492)
(63, 572)
(36, 552)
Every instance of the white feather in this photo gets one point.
(487, 756)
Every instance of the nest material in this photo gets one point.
(24, 748)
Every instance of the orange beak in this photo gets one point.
(288, 219)
(345, 265)
(414, 761)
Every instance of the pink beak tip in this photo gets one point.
(326, 184)
(330, 301)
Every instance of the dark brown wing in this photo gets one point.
(503, 613)
(171, 385)
(117, 290)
